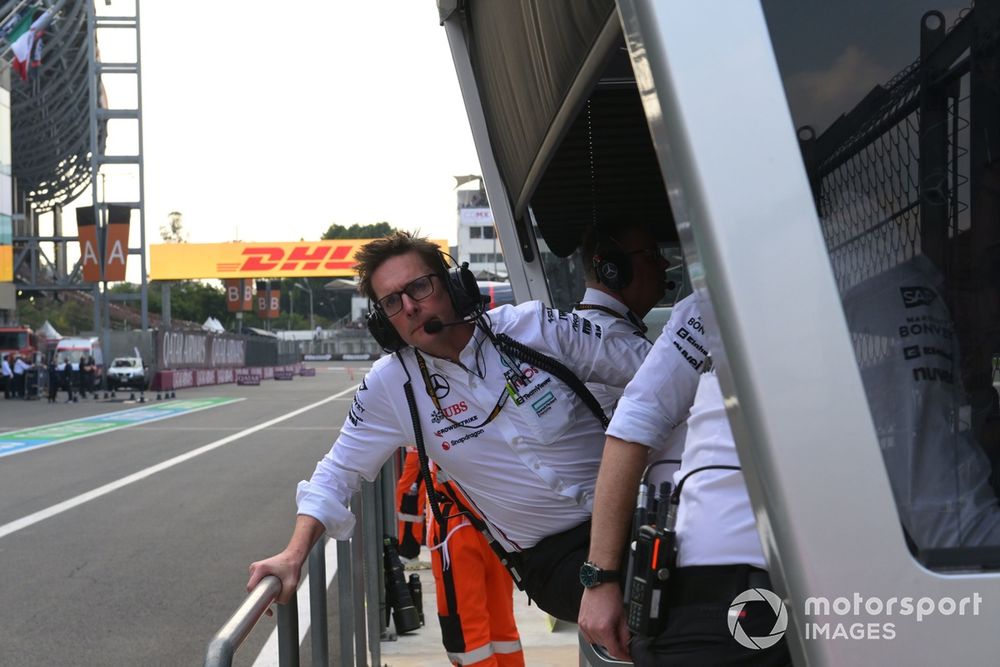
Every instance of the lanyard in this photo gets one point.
(629, 316)
(437, 404)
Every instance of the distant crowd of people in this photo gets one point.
(15, 370)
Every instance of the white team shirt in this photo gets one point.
(715, 522)
(909, 357)
(20, 367)
(530, 472)
(605, 395)
(5, 368)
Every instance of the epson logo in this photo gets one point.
(917, 296)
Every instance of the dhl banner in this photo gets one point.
(6, 263)
(90, 257)
(116, 247)
(239, 295)
(305, 259)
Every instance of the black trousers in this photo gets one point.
(697, 628)
(551, 571)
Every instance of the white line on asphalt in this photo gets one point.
(59, 508)
(173, 429)
(268, 656)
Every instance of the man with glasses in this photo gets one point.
(518, 442)
(624, 276)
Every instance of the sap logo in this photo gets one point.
(917, 296)
(311, 258)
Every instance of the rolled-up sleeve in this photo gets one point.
(659, 397)
(369, 436)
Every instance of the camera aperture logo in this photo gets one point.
(736, 613)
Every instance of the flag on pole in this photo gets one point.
(26, 47)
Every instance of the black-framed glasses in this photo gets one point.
(417, 289)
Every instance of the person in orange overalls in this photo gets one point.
(410, 504)
(474, 590)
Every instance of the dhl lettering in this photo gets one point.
(312, 258)
(304, 257)
(257, 264)
(340, 253)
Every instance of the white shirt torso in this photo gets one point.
(605, 395)
(530, 472)
(674, 407)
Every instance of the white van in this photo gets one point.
(76, 349)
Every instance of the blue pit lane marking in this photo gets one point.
(22, 440)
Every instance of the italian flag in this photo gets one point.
(24, 39)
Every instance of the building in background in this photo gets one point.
(477, 240)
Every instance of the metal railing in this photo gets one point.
(360, 588)
(595, 656)
(361, 603)
(230, 637)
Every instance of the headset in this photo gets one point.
(463, 290)
(612, 266)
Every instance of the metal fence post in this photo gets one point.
(345, 601)
(317, 603)
(373, 571)
(288, 633)
(359, 567)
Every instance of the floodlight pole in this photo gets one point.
(307, 288)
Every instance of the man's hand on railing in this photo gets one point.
(286, 566)
(602, 619)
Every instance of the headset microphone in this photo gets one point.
(435, 326)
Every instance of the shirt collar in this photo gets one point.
(596, 297)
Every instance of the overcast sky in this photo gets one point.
(270, 126)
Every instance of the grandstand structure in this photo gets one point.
(54, 140)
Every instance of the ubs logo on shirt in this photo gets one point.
(449, 411)
(917, 296)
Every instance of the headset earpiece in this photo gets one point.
(383, 332)
(464, 291)
(611, 265)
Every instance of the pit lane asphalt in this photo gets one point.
(147, 573)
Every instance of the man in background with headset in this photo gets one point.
(625, 277)
(521, 445)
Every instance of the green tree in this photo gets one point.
(372, 231)
(194, 301)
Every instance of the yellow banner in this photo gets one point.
(6, 263)
(305, 259)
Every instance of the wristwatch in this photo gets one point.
(591, 575)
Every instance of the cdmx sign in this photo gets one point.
(190, 261)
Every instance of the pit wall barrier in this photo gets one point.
(170, 380)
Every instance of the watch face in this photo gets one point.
(589, 575)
